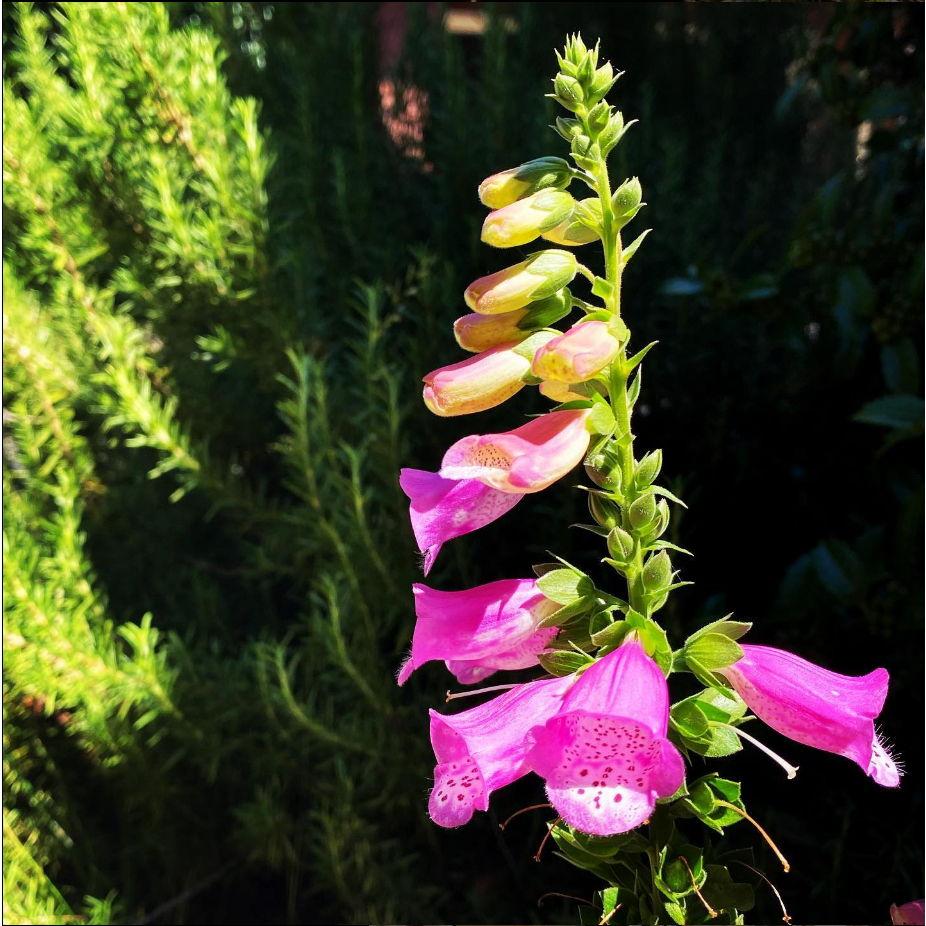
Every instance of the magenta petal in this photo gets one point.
(908, 914)
(492, 626)
(817, 707)
(625, 683)
(442, 509)
(492, 738)
(458, 791)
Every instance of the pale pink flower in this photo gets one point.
(484, 748)
(817, 707)
(527, 459)
(475, 332)
(481, 382)
(541, 275)
(604, 754)
(578, 354)
(480, 630)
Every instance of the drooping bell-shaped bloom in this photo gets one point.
(527, 219)
(480, 630)
(817, 707)
(442, 509)
(509, 186)
(477, 333)
(484, 748)
(908, 914)
(481, 382)
(578, 354)
(528, 459)
(605, 755)
(541, 275)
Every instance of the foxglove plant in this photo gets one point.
(599, 727)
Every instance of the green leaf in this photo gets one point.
(602, 289)
(713, 651)
(634, 361)
(661, 490)
(564, 662)
(564, 586)
(633, 247)
(723, 893)
(601, 420)
(568, 612)
(902, 412)
(732, 629)
(612, 635)
(676, 910)
(688, 718)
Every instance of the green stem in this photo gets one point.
(617, 383)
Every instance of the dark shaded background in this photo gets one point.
(780, 151)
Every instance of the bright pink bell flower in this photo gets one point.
(528, 459)
(442, 509)
(817, 707)
(908, 914)
(605, 755)
(485, 748)
(480, 630)
(578, 354)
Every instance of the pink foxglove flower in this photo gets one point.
(533, 279)
(484, 748)
(442, 509)
(527, 219)
(528, 459)
(559, 392)
(578, 354)
(908, 914)
(605, 755)
(481, 382)
(817, 707)
(480, 630)
(475, 332)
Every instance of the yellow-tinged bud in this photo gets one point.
(541, 275)
(559, 392)
(477, 332)
(527, 219)
(578, 354)
(509, 186)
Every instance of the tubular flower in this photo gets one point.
(480, 630)
(527, 459)
(481, 382)
(442, 509)
(527, 219)
(817, 707)
(605, 755)
(509, 186)
(484, 748)
(514, 287)
(576, 355)
(477, 332)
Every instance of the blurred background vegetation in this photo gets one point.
(236, 235)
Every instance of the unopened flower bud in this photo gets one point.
(577, 355)
(576, 229)
(620, 545)
(605, 512)
(598, 117)
(568, 91)
(509, 186)
(568, 128)
(481, 382)
(604, 468)
(612, 133)
(602, 81)
(526, 219)
(643, 511)
(657, 573)
(647, 469)
(477, 332)
(538, 277)
(626, 200)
